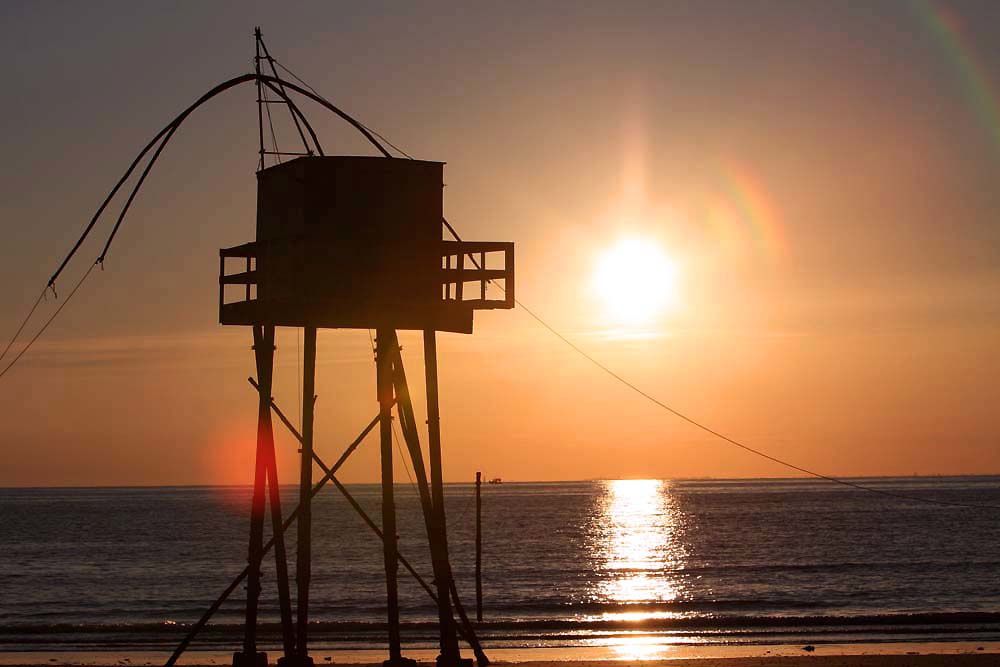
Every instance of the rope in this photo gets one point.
(292, 112)
(706, 428)
(45, 326)
(135, 190)
(274, 137)
(24, 322)
(313, 90)
(162, 138)
(399, 449)
(176, 122)
(167, 132)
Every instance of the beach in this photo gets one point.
(897, 654)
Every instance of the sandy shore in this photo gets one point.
(905, 654)
(934, 660)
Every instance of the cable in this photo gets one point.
(135, 191)
(708, 429)
(24, 322)
(392, 145)
(399, 449)
(296, 77)
(176, 122)
(163, 137)
(48, 322)
(169, 130)
(166, 134)
(274, 137)
(270, 61)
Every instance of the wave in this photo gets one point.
(699, 623)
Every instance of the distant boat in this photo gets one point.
(495, 480)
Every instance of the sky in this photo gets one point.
(821, 179)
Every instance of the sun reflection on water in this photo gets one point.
(640, 648)
(638, 548)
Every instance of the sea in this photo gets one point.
(567, 564)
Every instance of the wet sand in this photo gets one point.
(939, 660)
(898, 654)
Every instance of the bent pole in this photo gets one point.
(196, 628)
(275, 83)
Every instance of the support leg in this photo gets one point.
(264, 353)
(436, 537)
(281, 559)
(266, 430)
(386, 341)
(289, 520)
(303, 567)
(450, 655)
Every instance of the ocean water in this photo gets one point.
(564, 564)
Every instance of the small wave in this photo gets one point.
(717, 622)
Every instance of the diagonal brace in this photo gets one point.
(350, 499)
(347, 494)
(206, 617)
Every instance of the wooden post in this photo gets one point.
(303, 568)
(264, 354)
(265, 360)
(383, 365)
(450, 654)
(479, 548)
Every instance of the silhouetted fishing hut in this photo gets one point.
(349, 242)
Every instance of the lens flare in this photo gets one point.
(948, 32)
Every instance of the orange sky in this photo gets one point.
(823, 178)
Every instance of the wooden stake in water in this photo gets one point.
(479, 548)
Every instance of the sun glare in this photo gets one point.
(636, 281)
(638, 548)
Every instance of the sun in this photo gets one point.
(636, 281)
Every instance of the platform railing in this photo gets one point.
(465, 262)
(248, 277)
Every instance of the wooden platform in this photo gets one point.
(450, 316)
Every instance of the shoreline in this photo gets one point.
(648, 650)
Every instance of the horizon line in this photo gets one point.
(539, 481)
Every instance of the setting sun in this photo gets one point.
(636, 281)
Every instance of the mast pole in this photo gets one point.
(260, 97)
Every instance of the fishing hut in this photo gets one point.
(347, 242)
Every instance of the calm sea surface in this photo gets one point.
(763, 561)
